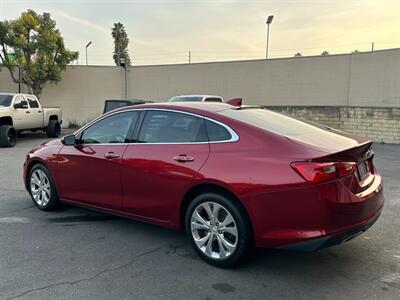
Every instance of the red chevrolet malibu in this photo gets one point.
(231, 177)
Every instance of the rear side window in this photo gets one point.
(272, 121)
(185, 99)
(33, 103)
(110, 105)
(217, 132)
(213, 99)
(172, 127)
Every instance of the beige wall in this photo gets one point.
(380, 124)
(363, 79)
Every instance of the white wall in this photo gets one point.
(363, 79)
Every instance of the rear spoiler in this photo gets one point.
(235, 102)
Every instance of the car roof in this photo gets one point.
(194, 107)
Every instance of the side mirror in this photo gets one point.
(69, 140)
(22, 105)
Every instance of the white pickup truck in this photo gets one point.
(23, 112)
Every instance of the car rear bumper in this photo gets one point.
(316, 216)
(331, 240)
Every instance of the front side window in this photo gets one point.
(33, 103)
(115, 129)
(172, 127)
(20, 100)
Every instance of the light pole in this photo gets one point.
(269, 21)
(122, 63)
(88, 44)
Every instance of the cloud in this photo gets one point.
(80, 21)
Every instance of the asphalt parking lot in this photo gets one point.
(80, 254)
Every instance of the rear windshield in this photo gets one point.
(272, 121)
(5, 100)
(184, 99)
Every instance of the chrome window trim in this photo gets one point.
(234, 135)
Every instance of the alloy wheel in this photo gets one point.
(40, 187)
(214, 230)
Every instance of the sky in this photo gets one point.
(164, 31)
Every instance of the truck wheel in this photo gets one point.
(8, 136)
(53, 130)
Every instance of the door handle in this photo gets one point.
(28, 112)
(111, 155)
(183, 158)
(39, 111)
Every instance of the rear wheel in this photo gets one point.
(8, 136)
(53, 129)
(218, 229)
(42, 188)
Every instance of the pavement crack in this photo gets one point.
(98, 274)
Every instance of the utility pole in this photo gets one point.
(269, 21)
(372, 47)
(190, 57)
(122, 63)
(19, 78)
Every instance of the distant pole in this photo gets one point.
(269, 21)
(88, 44)
(190, 57)
(19, 79)
(122, 63)
(372, 47)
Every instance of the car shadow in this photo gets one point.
(325, 263)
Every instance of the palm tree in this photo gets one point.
(121, 42)
(325, 53)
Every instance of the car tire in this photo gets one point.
(53, 129)
(42, 188)
(228, 241)
(8, 136)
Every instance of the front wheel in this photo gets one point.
(42, 188)
(53, 129)
(218, 230)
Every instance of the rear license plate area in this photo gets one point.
(363, 170)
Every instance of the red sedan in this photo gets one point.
(230, 176)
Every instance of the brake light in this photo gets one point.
(345, 168)
(318, 172)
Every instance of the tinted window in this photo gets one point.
(272, 121)
(114, 129)
(172, 127)
(217, 132)
(184, 99)
(213, 99)
(32, 102)
(110, 105)
(5, 100)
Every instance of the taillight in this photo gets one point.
(317, 172)
(345, 168)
